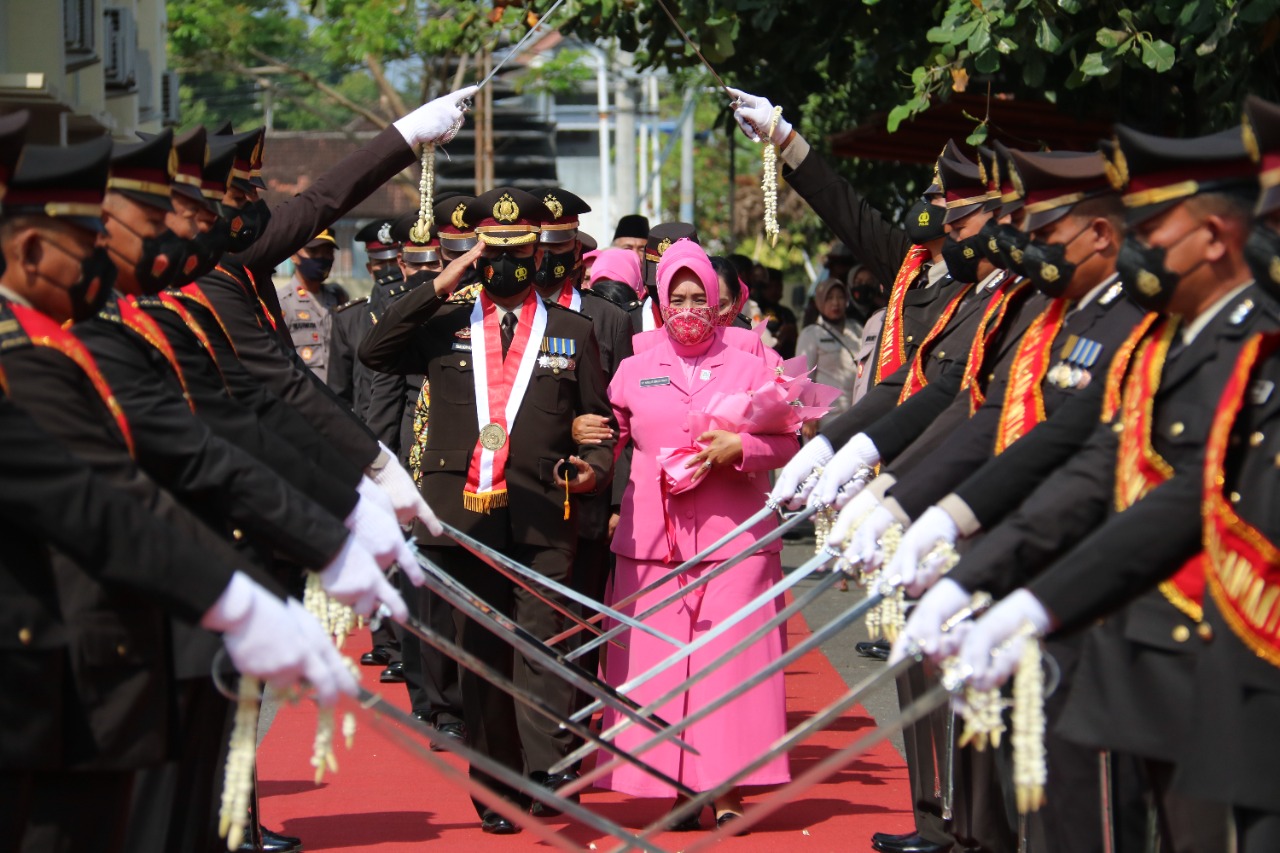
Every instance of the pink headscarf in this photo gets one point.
(618, 265)
(686, 254)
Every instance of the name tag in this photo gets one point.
(657, 380)
(461, 346)
(704, 375)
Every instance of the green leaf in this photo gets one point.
(979, 135)
(1033, 72)
(897, 116)
(1157, 55)
(1071, 7)
(1259, 11)
(1095, 65)
(1110, 38)
(918, 76)
(979, 40)
(1006, 46)
(987, 62)
(1048, 38)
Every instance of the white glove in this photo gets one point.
(854, 511)
(754, 114)
(354, 578)
(380, 534)
(858, 453)
(918, 574)
(1002, 624)
(266, 640)
(788, 491)
(323, 666)
(403, 492)
(864, 546)
(366, 488)
(436, 121)
(923, 630)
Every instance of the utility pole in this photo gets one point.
(625, 139)
(686, 156)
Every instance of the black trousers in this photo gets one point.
(431, 677)
(1256, 832)
(1187, 824)
(386, 636)
(922, 743)
(64, 812)
(512, 735)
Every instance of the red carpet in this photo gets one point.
(383, 799)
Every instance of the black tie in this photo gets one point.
(509, 321)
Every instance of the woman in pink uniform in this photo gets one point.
(652, 394)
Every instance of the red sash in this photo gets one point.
(1120, 366)
(141, 324)
(892, 340)
(175, 305)
(1139, 468)
(569, 297)
(44, 332)
(1242, 566)
(251, 291)
(996, 310)
(195, 294)
(915, 377)
(497, 379)
(1023, 405)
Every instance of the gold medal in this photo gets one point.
(492, 437)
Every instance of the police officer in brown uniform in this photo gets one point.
(508, 375)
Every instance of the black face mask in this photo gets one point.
(388, 276)
(507, 275)
(1262, 254)
(314, 269)
(94, 267)
(924, 222)
(207, 249)
(1048, 267)
(963, 257)
(247, 224)
(1012, 244)
(555, 268)
(162, 262)
(990, 244)
(1149, 283)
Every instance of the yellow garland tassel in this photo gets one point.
(1029, 770)
(421, 230)
(983, 715)
(322, 757)
(237, 784)
(769, 180)
(886, 619)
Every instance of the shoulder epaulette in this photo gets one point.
(465, 294)
(344, 306)
(12, 335)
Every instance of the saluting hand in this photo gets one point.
(723, 448)
(448, 280)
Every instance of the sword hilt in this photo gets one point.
(978, 604)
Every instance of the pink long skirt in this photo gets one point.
(734, 735)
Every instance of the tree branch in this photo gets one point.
(384, 85)
(333, 94)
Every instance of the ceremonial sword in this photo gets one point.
(769, 508)
(488, 673)
(789, 580)
(377, 705)
(739, 689)
(506, 566)
(510, 632)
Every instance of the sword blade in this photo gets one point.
(711, 636)
(949, 767)
(522, 641)
(507, 567)
(705, 578)
(925, 705)
(751, 522)
(757, 678)
(465, 658)
(375, 707)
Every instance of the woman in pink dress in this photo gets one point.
(652, 393)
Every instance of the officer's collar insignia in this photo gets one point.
(1241, 312)
(506, 209)
(1113, 292)
(553, 204)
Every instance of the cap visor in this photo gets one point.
(1036, 221)
(565, 236)
(1138, 215)
(258, 182)
(955, 214)
(1268, 201)
(161, 201)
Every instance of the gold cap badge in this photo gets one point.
(459, 217)
(506, 209)
(553, 204)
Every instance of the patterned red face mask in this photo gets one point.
(689, 326)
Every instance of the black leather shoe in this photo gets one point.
(495, 824)
(552, 782)
(692, 823)
(379, 656)
(272, 842)
(726, 818)
(891, 838)
(393, 674)
(913, 843)
(876, 650)
(456, 730)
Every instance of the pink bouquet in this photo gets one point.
(780, 405)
